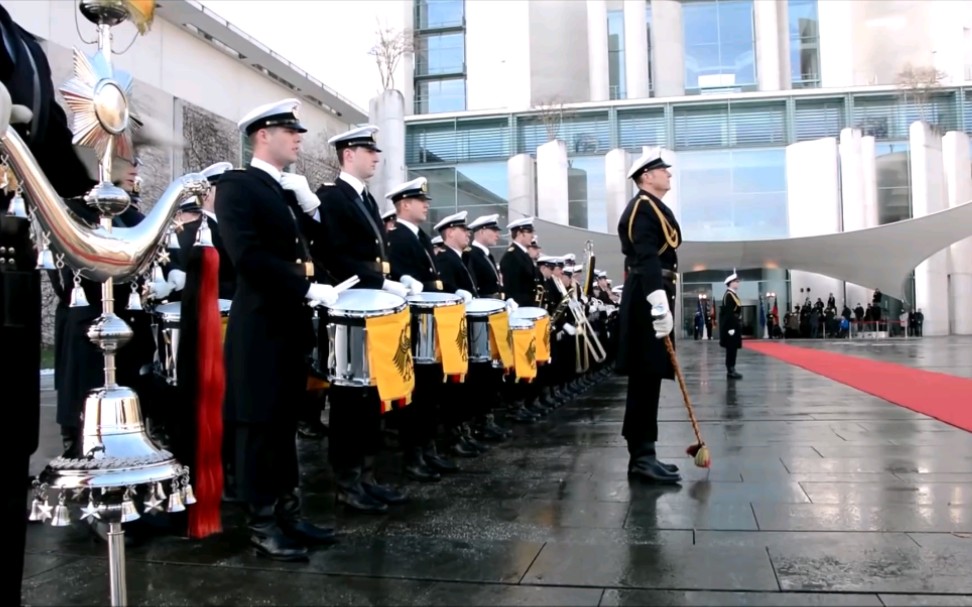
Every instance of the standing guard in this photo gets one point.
(412, 258)
(485, 234)
(649, 237)
(267, 338)
(353, 241)
(730, 325)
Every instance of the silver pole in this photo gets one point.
(116, 564)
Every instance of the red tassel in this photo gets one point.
(204, 516)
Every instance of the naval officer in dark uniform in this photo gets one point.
(353, 241)
(412, 259)
(521, 278)
(268, 336)
(730, 325)
(479, 259)
(649, 237)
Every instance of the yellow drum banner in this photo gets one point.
(389, 347)
(501, 339)
(452, 340)
(542, 328)
(222, 329)
(525, 352)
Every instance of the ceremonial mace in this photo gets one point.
(699, 451)
(119, 465)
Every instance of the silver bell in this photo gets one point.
(78, 298)
(134, 299)
(159, 491)
(157, 275)
(36, 511)
(189, 498)
(62, 517)
(204, 237)
(173, 240)
(175, 499)
(17, 207)
(45, 259)
(129, 512)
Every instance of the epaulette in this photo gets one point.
(467, 249)
(328, 184)
(511, 249)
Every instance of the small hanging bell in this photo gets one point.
(173, 240)
(129, 512)
(189, 497)
(175, 499)
(62, 517)
(78, 298)
(204, 236)
(159, 491)
(134, 299)
(45, 259)
(17, 207)
(35, 509)
(157, 275)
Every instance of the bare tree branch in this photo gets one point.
(388, 51)
(551, 113)
(918, 84)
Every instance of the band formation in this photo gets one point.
(328, 300)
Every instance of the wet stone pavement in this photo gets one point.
(818, 495)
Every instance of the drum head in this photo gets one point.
(521, 324)
(484, 306)
(533, 314)
(224, 306)
(365, 303)
(170, 311)
(434, 300)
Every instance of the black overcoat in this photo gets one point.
(730, 320)
(455, 275)
(485, 272)
(520, 276)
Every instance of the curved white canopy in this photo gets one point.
(877, 258)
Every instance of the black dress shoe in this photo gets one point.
(652, 472)
(460, 448)
(440, 463)
(490, 433)
(421, 473)
(308, 533)
(359, 501)
(522, 416)
(731, 374)
(385, 494)
(269, 539)
(311, 430)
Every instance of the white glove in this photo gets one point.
(395, 287)
(661, 316)
(159, 289)
(732, 332)
(20, 114)
(307, 199)
(321, 294)
(177, 278)
(569, 329)
(414, 287)
(511, 305)
(465, 295)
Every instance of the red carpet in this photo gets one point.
(944, 397)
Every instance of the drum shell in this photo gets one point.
(477, 326)
(347, 357)
(166, 330)
(424, 333)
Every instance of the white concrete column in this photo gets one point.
(769, 55)
(836, 25)
(552, 192)
(958, 186)
(387, 112)
(858, 188)
(813, 208)
(597, 50)
(928, 196)
(617, 186)
(521, 175)
(667, 49)
(636, 49)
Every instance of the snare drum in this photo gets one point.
(520, 326)
(347, 359)
(424, 335)
(534, 315)
(478, 312)
(167, 329)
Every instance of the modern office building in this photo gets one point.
(731, 87)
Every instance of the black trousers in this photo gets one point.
(15, 513)
(355, 426)
(483, 387)
(731, 352)
(419, 421)
(641, 408)
(266, 466)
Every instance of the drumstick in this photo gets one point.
(347, 284)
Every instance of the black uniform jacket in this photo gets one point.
(647, 255)
(455, 275)
(351, 238)
(269, 332)
(730, 317)
(412, 255)
(483, 268)
(187, 240)
(520, 276)
(26, 73)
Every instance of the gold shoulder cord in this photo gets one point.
(671, 234)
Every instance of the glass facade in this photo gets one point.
(719, 45)
(804, 43)
(616, 79)
(440, 56)
(893, 182)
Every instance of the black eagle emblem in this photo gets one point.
(531, 352)
(509, 339)
(546, 340)
(462, 340)
(403, 356)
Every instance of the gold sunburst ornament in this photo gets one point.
(98, 98)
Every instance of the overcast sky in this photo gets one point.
(329, 39)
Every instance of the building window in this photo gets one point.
(439, 14)
(435, 96)
(615, 25)
(804, 43)
(719, 45)
(440, 56)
